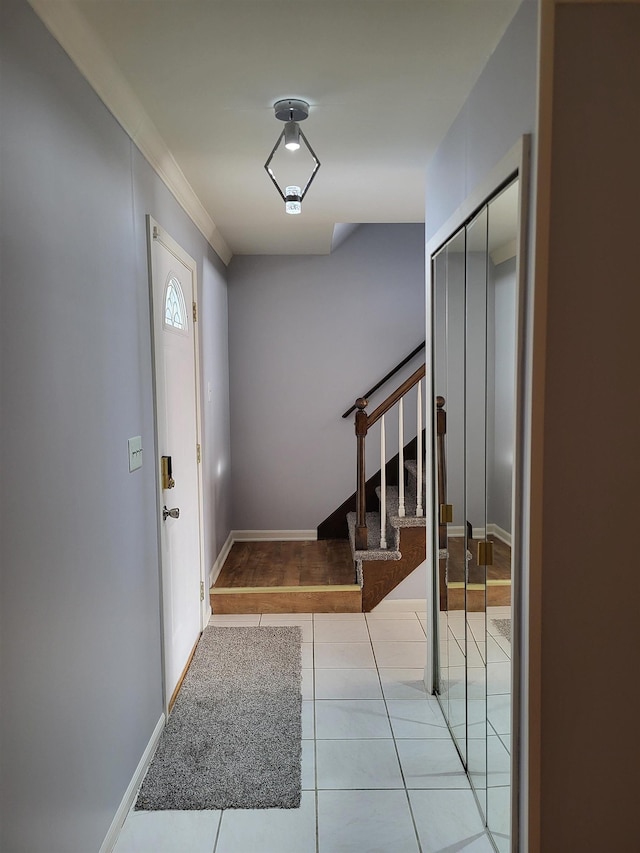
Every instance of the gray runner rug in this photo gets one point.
(503, 626)
(233, 738)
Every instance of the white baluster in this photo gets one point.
(383, 486)
(419, 510)
(401, 509)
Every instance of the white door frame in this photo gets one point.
(156, 232)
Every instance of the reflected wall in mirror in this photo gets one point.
(475, 472)
(449, 305)
(474, 291)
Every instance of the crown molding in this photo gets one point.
(70, 29)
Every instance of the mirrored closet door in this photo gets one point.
(474, 291)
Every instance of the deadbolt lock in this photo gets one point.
(170, 513)
(446, 513)
(167, 480)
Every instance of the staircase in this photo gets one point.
(385, 526)
(374, 571)
(379, 570)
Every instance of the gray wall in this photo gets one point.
(476, 370)
(500, 108)
(307, 335)
(501, 364)
(81, 670)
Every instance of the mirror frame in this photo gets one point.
(516, 163)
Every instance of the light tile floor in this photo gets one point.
(379, 771)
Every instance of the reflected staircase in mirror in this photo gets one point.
(484, 585)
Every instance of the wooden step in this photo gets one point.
(477, 598)
(321, 598)
(381, 576)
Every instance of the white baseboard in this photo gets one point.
(257, 536)
(127, 801)
(499, 533)
(478, 533)
(222, 556)
(274, 535)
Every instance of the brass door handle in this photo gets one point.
(485, 553)
(446, 513)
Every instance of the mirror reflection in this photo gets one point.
(474, 278)
(475, 529)
(450, 307)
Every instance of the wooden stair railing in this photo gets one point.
(387, 377)
(363, 422)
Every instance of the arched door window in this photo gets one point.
(175, 313)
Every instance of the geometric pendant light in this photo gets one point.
(291, 111)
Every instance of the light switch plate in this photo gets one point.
(135, 453)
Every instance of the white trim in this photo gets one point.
(157, 234)
(432, 544)
(510, 163)
(499, 533)
(219, 562)
(88, 53)
(458, 531)
(275, 535)
(205, 606)
(127, 801)
(257, 536)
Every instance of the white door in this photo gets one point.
(173, 276)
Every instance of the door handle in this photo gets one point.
(446, 513)
(485, 553)
(173, 513)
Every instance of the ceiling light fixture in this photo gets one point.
(291, 111)
(292, 135)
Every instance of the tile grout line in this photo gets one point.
(395, 745)
(215, 843)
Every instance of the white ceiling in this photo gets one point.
(385, 79)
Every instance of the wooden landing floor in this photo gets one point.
(501, 569)
(496, 592)
(287, 564)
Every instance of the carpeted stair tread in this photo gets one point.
(412, 467)
(394, 523)
(410, 519)
(374, 551)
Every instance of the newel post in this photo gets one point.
(362, 425)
